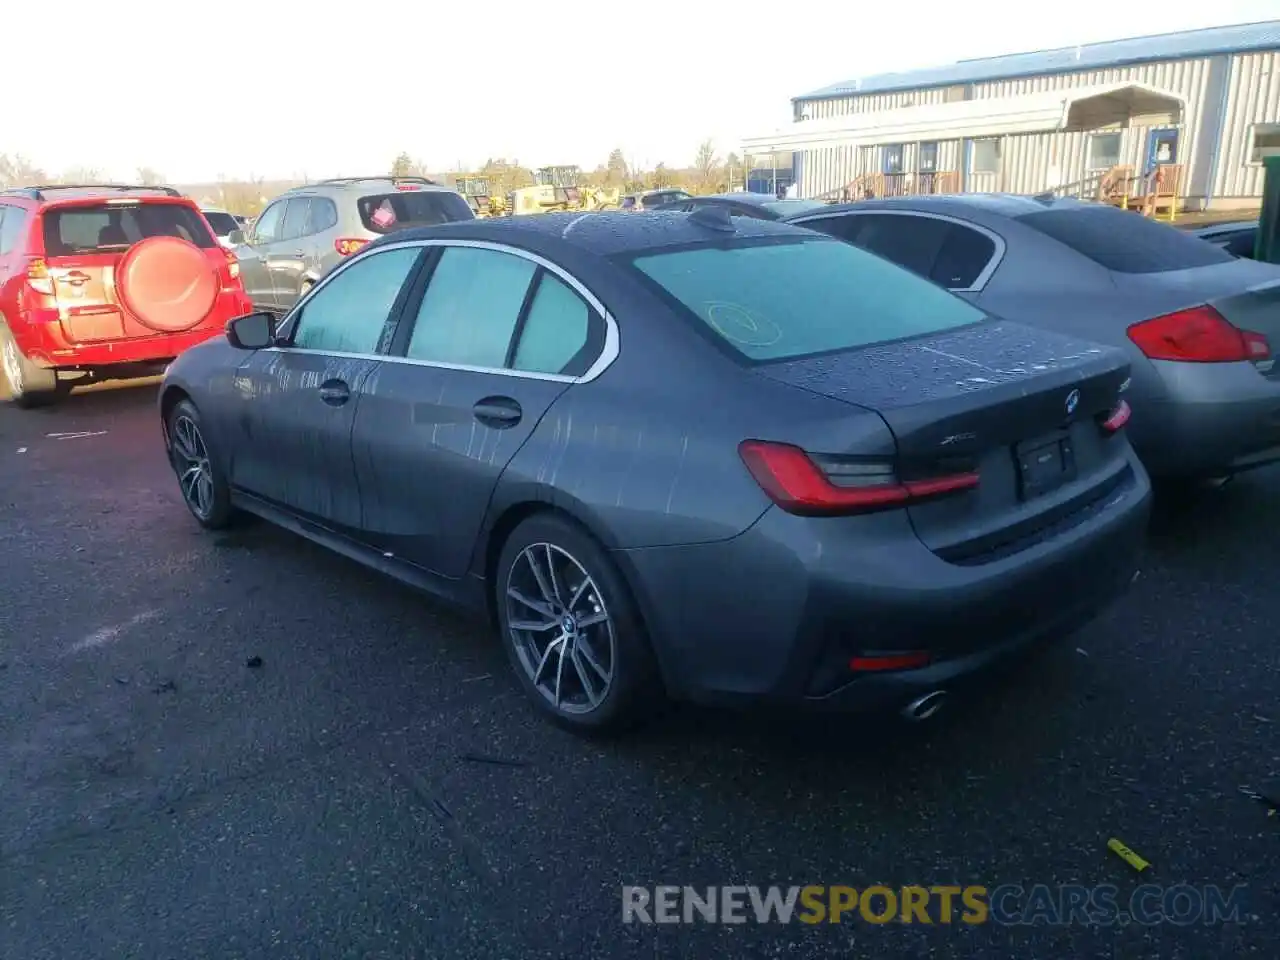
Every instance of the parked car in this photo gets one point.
(1198, 324)
(761, 206)
(303, 233)
(223, 224)
(649, 199)
(720, 458)
(105, 282)
(1236, 238)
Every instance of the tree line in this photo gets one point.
(710, 173)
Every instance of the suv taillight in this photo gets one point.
(346, 246)
(233, 263)
(1197, 335)
(38, 278)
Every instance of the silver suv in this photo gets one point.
(304, 232)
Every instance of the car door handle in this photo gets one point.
(498, 412)
(335, 392)
(299, 254)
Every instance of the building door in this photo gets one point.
(1162, 147)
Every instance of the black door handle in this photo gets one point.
(498, 412)
(335, 392)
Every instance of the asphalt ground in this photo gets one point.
(377, 787)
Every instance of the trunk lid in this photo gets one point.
(1019, 406)
(1245, 292)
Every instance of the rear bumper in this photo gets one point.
(1217, 419)
(776, 613)
(45, 344)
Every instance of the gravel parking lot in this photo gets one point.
(376, 786)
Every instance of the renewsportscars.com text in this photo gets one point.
(1008, 904)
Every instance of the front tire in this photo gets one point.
(203, 485)
(28, 385)
(571, 630)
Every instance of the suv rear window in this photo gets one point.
(222, 223)
(112, 228)
(779, 301)
(387, 212)
(1124, 241)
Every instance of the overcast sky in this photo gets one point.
(280, 89)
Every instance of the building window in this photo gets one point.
(986, 156)
(893, 158)
(927, 157)
(1264, 140)
(1104, 151)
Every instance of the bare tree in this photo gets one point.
(707, 167)
(150, 178)
(18, 171)
(82, 175)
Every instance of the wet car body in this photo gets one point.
(670, 450)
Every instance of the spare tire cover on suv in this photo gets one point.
(167, 283)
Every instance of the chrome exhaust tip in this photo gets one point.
(922, 708)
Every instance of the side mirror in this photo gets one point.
(236, 237)
(255, 331)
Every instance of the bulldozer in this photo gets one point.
(559, 189)
(476, 191)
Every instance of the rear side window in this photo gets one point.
(12, 220)
(113, 228)
(324, 215)
(296, 215)
(556, 330)
(949, 254)
(1123, 241)
(388, 212)
(779, 301)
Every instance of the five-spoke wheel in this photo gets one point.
(204, 490)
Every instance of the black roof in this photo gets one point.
(605, 234)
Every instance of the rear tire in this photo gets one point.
(571, 630)
(201, 482)
(28, 385)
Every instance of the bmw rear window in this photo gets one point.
(113, 227)
(388, 212)
(1124, 241)
(780, 301)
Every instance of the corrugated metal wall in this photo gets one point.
(1253, 96)
(1035, 162)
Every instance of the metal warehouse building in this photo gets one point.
(1197, 103)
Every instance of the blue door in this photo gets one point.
(1162, 147)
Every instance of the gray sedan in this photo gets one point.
(712, 457)
(1198, 324)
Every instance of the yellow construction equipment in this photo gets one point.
(558, 189)
(476, 190)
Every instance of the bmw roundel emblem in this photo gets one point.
(1073, 401)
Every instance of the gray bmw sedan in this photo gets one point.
(679, 454)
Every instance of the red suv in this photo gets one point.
(106, 282)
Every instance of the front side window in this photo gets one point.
(782, 300)
(296, 215)
(349, 313)
(469, 312)
(267, 227)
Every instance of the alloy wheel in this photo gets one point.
(191, 461)
(560, 628)
(12, 366)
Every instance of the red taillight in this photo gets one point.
(346, 246)
(233, 263)
(38, 278)
(1118, 417)
(1198, 335)
(889, 661)
(798, 484)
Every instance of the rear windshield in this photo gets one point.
(779, 301)
(222, 223)
(110, 228)
(1124, 241)
(387, 212)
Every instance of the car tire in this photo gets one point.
(201, 482)
(28, 385)
(582, 627)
